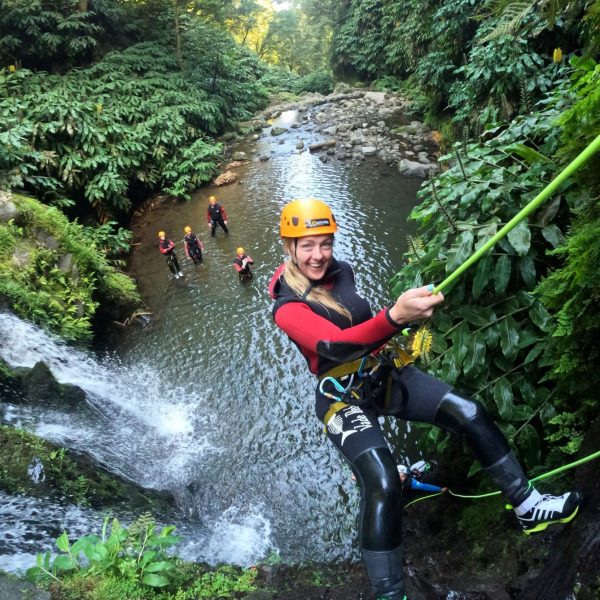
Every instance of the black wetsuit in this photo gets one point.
(193, 247)
(244, 270)
(216, 216)
(326, 339)
(167, 248)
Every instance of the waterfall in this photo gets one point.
(140, 427)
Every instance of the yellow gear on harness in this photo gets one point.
(334, 408)
(392, 353)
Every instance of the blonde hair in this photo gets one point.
(304, 288)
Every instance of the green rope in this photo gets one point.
(526, 211)
(556, 471)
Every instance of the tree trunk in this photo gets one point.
(84, 5)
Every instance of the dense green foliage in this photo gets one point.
(133, 562)
(494, 334)
(53, 272)
(144, 116)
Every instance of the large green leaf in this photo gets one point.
(520, 238)
(492, 336)
(460, 340)
(442, 320)
(529, 444)
(509, 337)
(483, 275)
(528, 153)
(450, 368)
(534, 353)
(503, 397)
(521, 412)
(475, 358)
(460, 250)
(62, 542)
(157, 567)
(541, 317)
(527, 270)
(476, 315)
(553, 235)
(64, 562)
(502, 273)
(154, 580)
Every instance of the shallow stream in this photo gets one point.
(210, 400)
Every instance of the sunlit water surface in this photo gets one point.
(210, 400)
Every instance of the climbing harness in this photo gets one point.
(354, 382)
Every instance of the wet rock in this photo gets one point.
(228, 136)
(21, 256)
(239, 156)
(225, 178)
(320, 145)
(39, 386)
(264, 157)
(67, 265)
(8, 210)
(12, 588)
(252, 125)
(278, 130)
(375, 97)
(300, 145)
(369, 150)
(410, 168)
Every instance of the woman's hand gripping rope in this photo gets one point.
(415, 305)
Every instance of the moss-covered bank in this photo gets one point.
(32, 466)
(52, 273)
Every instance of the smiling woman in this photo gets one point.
(364, 375)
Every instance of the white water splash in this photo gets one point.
(241, 536)
(146, 429)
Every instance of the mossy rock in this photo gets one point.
(52, 273)
(36, 467)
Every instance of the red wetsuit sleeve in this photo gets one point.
(237, 267)
(224, 213)
(185, 245)
(318, 335)
(208, 217)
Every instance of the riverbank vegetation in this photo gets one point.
(104, 102)
(514, 88)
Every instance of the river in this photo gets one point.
(210, 400)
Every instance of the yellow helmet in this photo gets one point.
(162, 234)
(307, 216)
(240, 250)
(187, 229)
(212, 199)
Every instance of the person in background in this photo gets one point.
(242, 263)
(167, 248)
(216, 215)
(363, 374)
(193, 245)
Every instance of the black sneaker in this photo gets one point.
(549, 510)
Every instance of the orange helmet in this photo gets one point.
(240, 250)
(162, 234)
(307, 216)
(212, 199)
(187, 229)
